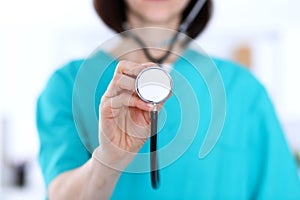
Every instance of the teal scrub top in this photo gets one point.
(251, 159)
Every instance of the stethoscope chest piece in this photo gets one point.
(153, 85)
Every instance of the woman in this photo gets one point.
(250, 161)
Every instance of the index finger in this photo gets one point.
(132, 69)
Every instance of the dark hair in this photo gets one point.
(113, 14)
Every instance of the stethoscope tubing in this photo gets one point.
(153, 150)
(154, 171)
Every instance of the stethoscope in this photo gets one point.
(154, 85)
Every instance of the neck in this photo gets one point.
(153, 35)
(138, 22)
(156, 36)
(135, 22)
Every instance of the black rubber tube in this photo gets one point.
(153, 153)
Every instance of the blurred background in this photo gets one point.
(37, 37)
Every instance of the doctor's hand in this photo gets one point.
(124, 121)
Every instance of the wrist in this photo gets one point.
(115, 160)
(100, 179)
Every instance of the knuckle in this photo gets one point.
(117, 78)
(116, 81)
(103, 106)
(123, 63)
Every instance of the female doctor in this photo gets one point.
(251, 160)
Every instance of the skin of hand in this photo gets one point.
(124, 124)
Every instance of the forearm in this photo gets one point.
(93, 180)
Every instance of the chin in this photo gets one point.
(158, 17)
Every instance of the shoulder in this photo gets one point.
(233, 74)
(239, 79)
(59, 86)
(236, 72)
(86, 68)
(67, 71)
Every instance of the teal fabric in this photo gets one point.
(251, 159)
